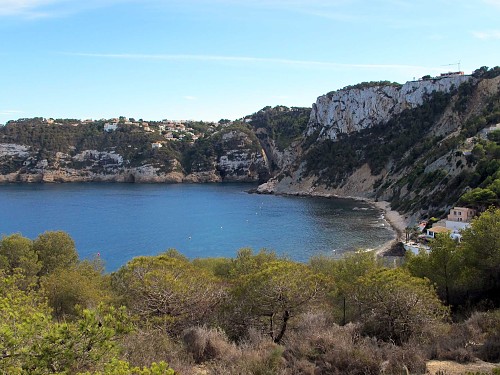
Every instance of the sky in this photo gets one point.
(214, 59)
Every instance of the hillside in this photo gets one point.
(41, 150)
(421, 146)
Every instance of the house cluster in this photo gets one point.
(458, 219)
(440, 76)
(170, 130)
(113, 124)
(51, 121)
(176, 130)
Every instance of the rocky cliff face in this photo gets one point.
(237, 157)
(231, 154)
(351, 110)
(407, 144)
(87, 166)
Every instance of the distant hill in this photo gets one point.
(423, 146)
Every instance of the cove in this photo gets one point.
(122, 221)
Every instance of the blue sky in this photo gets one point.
(213, 59)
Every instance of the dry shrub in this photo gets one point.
(256, 355)
(490, 351)
(143, 347)
(487, 340)
(363, 360)
(330, 349)
(449, 342)
(403, 360)
(207, 344)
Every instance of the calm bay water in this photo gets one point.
(121, 221)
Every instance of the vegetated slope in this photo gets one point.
(278, 129)
(232, 153)
(67, 152)
(419, 149)
(33, 150)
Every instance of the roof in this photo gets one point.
(439, 230)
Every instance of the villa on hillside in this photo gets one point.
(110, 127)
(460, 218)
(431, 232)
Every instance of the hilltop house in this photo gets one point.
(108, 127)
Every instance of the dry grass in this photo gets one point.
(316, 345)
(256, 355)
(453, 368)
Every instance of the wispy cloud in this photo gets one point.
(57, 8)
(490, 34)
(8, 112)
(245, 59)
(18, 7)
(32, 9)
(493, 2)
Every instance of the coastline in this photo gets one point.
(397, 221)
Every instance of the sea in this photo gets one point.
(118, 222)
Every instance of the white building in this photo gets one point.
(110, 127)
(431, 232)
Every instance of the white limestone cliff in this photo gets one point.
(350, 110)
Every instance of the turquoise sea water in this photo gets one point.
(121, 221)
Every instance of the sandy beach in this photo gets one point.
(397, 221)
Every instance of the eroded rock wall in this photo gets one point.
(351, 110)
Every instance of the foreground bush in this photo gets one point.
(168, 292)
(395, 306)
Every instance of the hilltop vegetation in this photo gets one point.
(365, 85)
(253, 314)
(281, 124)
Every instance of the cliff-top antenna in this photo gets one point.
(457, 64)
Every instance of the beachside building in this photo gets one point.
(432, 232)
(460, 218)
(415, 247)
(461, 214)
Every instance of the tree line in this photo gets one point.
(257, 313)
